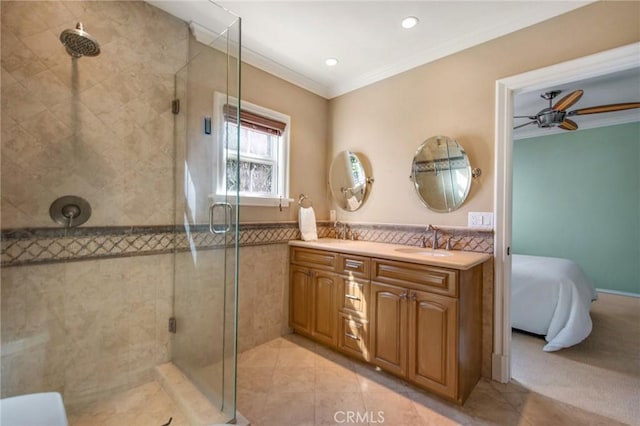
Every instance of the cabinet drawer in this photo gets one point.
(413, 275)
(354, 266)
(353, 337)
(353, 296)
(315, 258)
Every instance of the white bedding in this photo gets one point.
(551, 296)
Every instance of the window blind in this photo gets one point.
(254, 121)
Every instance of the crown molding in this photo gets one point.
(326, 89)
(431, 54)
(272, 67)
(215, 40)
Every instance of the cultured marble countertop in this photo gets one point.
(454, 259)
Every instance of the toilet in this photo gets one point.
(35, 409)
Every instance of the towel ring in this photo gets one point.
(302, 198)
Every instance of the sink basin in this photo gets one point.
(424, 251)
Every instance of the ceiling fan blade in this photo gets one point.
(530, 117)
(568, 100)
(525, 124)
(605, 108)
(568, 125)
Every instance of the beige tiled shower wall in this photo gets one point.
(86, 329)
(100, 128)
(263, 294)
(97, 127)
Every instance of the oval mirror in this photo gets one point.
(441, 174)
(347, 181)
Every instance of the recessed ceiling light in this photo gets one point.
(410, 22)
(331, 62)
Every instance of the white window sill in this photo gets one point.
(254, 201)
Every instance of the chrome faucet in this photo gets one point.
(340, 230)
(435, 235)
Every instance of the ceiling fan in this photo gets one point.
(556, 115)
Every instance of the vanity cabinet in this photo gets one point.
(433, 337)
(312, 299)
(414, 336)
(300, 299)
(353, 306)
(389, 321)
(426, 325)
(420, 322)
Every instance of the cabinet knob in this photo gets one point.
(403, 295)
(413, 297)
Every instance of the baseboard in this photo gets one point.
(500, 368)
(619, 293)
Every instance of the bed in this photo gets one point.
(551, 296)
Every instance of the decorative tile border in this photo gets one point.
(50, 245)
(464, 239)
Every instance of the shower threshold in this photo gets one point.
(185, 395)
(146, 404)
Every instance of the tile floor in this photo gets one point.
(143, 405)
(292, 381)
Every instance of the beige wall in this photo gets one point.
(454, 96)
(308, 145)
(263, 294)
(308, 133)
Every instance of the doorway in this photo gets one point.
(618, 59)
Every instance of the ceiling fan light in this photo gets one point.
(550, 118)
(409, 22)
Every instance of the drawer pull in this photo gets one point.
(351, 296)
(352, 264)
(352, 336)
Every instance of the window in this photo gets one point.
(263, 159)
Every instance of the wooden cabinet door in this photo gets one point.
(325, 310)
(433, 333)
(388, 335)
(300, 295)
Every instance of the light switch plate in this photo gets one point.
(483, 220)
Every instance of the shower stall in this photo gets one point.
(119, 239)
(205, 263)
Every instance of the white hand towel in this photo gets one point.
(352, 203)
(307, 223)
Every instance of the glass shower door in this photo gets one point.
(203, 346)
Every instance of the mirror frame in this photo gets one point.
(338, 190)
(416, 185)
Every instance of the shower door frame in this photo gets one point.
(208, 233)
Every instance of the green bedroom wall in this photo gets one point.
(577, 195)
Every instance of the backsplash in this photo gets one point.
(26, 246)
(460, 238)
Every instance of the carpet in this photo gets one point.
(601, 374)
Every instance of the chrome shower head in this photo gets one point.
(79, 42)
